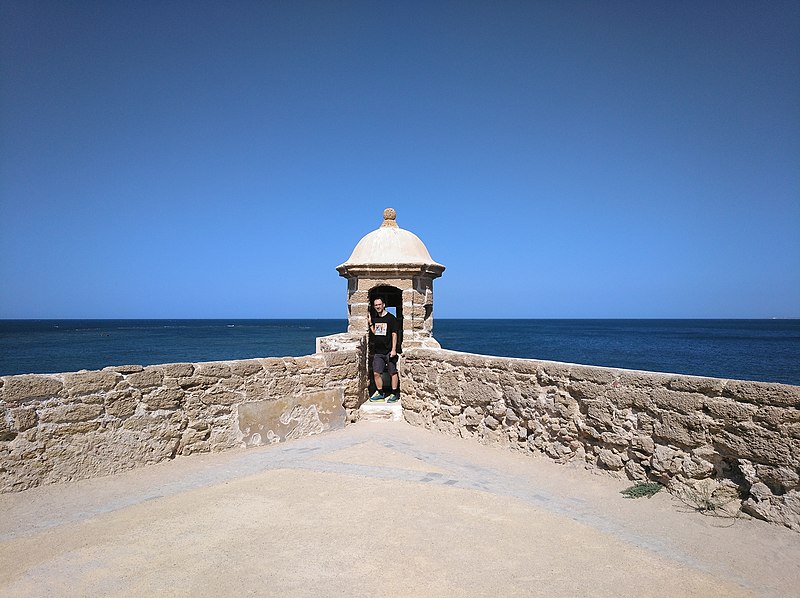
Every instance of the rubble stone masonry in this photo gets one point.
(718, 444)
(62, 427)
(721, 445)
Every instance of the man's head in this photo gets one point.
(378, 304)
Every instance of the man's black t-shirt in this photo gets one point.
(382, 338)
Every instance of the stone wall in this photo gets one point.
(62, 427)
(720, 445)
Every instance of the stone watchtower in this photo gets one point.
(394, 264)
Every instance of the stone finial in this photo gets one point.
(389, 217)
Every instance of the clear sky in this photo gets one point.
(562, 159)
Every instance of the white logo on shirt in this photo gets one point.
(380, 328)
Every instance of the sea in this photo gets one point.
(763, 350)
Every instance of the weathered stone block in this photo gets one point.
(590, 432)
(417, 312)
(268, 422)
(355, 296)
(97, 399)
(595, 375)
(197, 381)
(122, 403)
(410, 403)
(776, 417)
(178, 370)
(164, 398)
(684, 430)
(213, 370)
(610, 460)
(309, 362)
(448, 381)
(498, 409)
(24, 419)
(283, 387)
(729, 410)
(780, 480)
(7, 431)
(711, 387)
(643, 444)
(642, 379)
(646, 423)
(787, 511)
(551, 373)
(565, 406)
(125, 369)
(245, 368)
(478, 394)
(471, 416)
(613, 439)
(585, 390)
(234, 383)
(342, 372)
(792, 430)
(76, 412)
(635, 471)
(763, 393)
(80, 427)
(474, 362)
(624, 397)
(633, 396)
(223, 397)
(749, 441)
(358, 310)
(254, 390)
(193, 440)
(491, 423)
(149, 424)
(274, 365)
(666, 460)
(525, 367)
(696, 468)
(598, 411)
(148, 378)
(85, 383)
(683, 402)
(18, 389)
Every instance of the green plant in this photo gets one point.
(641, 489)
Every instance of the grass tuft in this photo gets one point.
(641, 489)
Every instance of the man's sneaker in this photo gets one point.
(377, 397)
(393, 398)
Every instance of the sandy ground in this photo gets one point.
(378, 509)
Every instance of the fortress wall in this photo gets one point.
(63, 427)
(719, 445)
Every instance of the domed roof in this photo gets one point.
(390, 245)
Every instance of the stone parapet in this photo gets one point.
(720, 443)
(62, 427)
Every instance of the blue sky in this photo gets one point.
(561, 159)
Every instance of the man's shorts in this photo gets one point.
(379, 363)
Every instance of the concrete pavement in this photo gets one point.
(378, 509)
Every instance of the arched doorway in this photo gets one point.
(393, 299)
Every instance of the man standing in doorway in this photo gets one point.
(383, 337)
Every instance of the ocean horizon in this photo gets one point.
(766, 350)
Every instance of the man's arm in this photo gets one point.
(394, 345)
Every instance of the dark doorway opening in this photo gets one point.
(393, 299)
